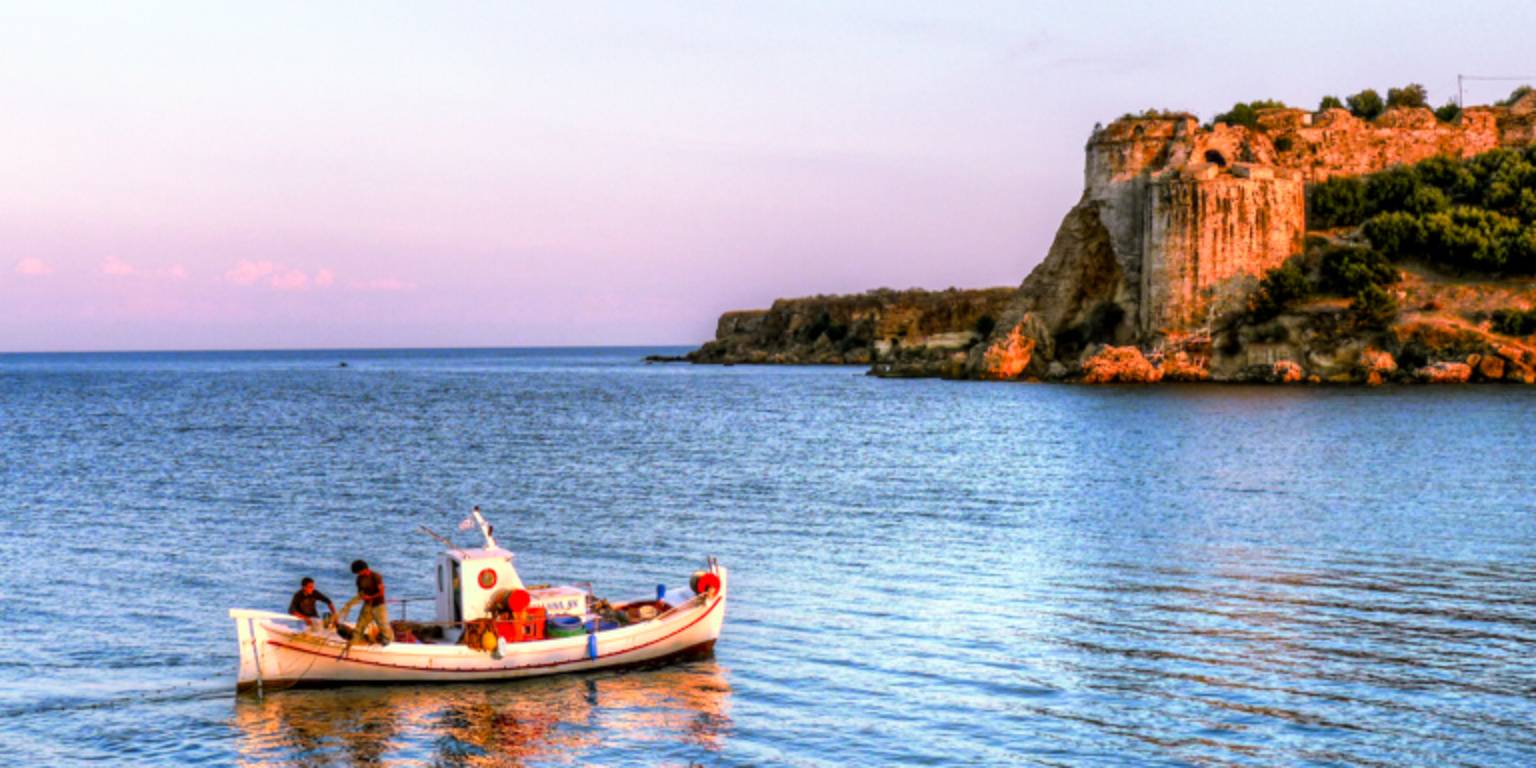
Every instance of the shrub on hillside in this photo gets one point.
(1515, 96)
(1330, 102)
(1449, 112)
(1396, 235)
(1514, 322)
(1281, 287)
(1374, 307)
(1347, 270)
(1390, 189)
(1337, 202)
(1475, 240)
(984, 326)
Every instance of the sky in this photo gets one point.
(290, 175)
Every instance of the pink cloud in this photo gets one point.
(177, 271)
(382, 284)
(248, 272)
(277, 275)
(112, 265)
(31, 266)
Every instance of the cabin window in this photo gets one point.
(1212, 156)
(439, 577)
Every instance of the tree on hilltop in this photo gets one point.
(1247, 115)
(1411, 96)
(1366, 105)
(1330, 102)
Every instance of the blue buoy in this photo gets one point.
(661, 592)
(592, 646)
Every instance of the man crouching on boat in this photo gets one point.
(305, 602)
(370, 590)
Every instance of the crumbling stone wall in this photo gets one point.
(1195, 216)
(1211, 237)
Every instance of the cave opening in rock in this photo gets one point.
(1212, 156)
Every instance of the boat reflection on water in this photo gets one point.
(573, 719)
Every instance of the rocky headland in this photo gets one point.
(1292, 246)
(924, 329)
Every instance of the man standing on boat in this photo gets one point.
(370, 590)
(307, 600)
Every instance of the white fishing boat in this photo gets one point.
(487, 625)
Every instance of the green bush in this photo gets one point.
(984, 326)
(1475, 240)
(1389, 190)
(1281, 287)
(1247, 114)
(1283, 144)
(1447, 174)
(1513, 322)
(1337, 202)
(1374, 307)
(1330, 102)
(1347, 270)
(1396, 235)
(1513, 97)
(1449, 112)
(1366, 105)
(1475, 215)
(1427, 199)
(1410, 96)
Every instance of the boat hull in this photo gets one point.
(275, 655)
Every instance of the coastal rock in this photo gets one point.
(1490, 367)
(1445, 373)
(1119, 365)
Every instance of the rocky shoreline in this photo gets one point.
(1217, 254)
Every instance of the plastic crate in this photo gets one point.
(523, 627)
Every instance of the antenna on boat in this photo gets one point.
(447, 543)
(485, 528)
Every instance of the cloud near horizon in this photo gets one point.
(278, 275)
(33, 266)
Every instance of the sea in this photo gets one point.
(923, 572)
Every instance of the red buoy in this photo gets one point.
(519, 600)
(709, 582)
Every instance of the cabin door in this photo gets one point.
(458, 595)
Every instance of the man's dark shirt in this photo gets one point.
(371, 583)
(304, 605)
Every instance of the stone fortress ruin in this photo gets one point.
(1178, 223)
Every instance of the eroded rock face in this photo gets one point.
(1078, 273)
(1209, 241)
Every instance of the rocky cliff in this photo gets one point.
(1178, 223)
(922, 329)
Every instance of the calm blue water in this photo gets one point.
(925, 572)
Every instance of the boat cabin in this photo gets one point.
(471, 582)
(467, 580)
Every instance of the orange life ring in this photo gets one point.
(487, 579)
